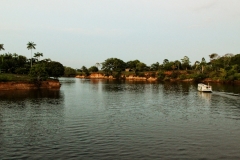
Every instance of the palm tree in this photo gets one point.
(1, 48)
(38, 55)
(31, 46)
(213, 56)
(15, 55)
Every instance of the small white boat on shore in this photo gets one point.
(204, 88)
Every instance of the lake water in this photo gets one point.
(101, 119)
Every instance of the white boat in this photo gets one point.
(204, 88)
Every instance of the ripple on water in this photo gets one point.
(119, 120)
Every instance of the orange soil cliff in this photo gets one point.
(49, 84)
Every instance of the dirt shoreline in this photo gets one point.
(137, 78)
(49, 84)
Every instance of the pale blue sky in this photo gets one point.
(84, 32)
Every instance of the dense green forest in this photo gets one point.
(225, 68)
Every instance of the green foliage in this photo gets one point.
(223, 73)
(160, 75)
(69, 72)
(113, 65)
(152, 74)
(21, 71)
(198, 77)
(185, 62)
(169, 66)
(38, 72)
(237, 76)
(54, 69)
(1, 47)
(93, 69)
(140, 74)
(10, 62)
(213, 74)
(85, 71)
(174, 75)
(141, 67)
(183, 76)
(155, 67)
(132, 64)
(5, 77)
(116, 75)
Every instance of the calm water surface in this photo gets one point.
(100, 119)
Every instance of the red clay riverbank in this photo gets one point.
(146, 78)
(49, 84)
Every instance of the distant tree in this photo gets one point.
(38, 55)
(169, 66)
(113, 64)
(85, 70)
(141, 67)
(178, 64)
(235, 60)
(54, 69)
(155, 66)
(132, 65)
(1, 48)
(185, 62)
(15, 55)
(165, 61)
(213, 56)
(93, 69)
(196, 65)
(46, 60)
(69, 72)
(31, 46)
(203, 64)
(227, 59)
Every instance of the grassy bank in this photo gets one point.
(5, 77)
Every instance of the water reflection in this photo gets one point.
(30, 120)
(103, 119)
(21, 95)
(205, 96)
(231, 88)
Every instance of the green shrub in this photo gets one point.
(141, 74)
(21, 71)
(174, 74)
(38, 72)
(4, 78)
(198, 77)
(160, 75)
(237, 76)
(116, 75)
(183, 76)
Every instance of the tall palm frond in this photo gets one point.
(1, 47)
(31, 46)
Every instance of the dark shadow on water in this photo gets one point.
(20, 95)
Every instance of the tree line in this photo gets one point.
(225, 67)
(36, 68)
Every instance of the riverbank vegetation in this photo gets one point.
(14, 67)
(224, 68)
(220, 68)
